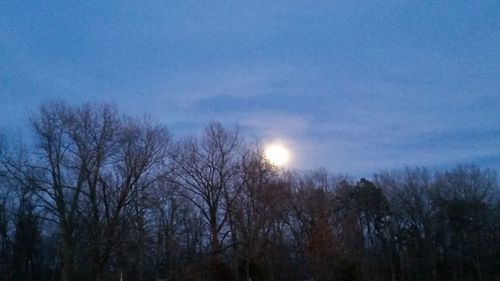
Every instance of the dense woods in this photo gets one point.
(96, 195)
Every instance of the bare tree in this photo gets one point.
(57, 174)
(259, 203)
(206, 169)
(120, 182)
(87, 166)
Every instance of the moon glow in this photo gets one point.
(277, 154)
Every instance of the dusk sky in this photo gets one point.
(354, 87)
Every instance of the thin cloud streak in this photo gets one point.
(354, 87)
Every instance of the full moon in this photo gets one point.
(277, 154)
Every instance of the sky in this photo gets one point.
(352, 86)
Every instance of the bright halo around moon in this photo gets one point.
(277, 154)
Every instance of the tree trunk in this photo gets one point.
(479, 271)
(99, 270)
(99, 276)
(67, 262)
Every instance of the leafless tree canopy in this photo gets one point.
(96, 195)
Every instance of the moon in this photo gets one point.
(277, 154)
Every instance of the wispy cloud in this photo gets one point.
(344, 83)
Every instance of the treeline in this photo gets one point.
(96, 195)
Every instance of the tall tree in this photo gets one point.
(206, 169)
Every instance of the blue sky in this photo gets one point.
(355, 87)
